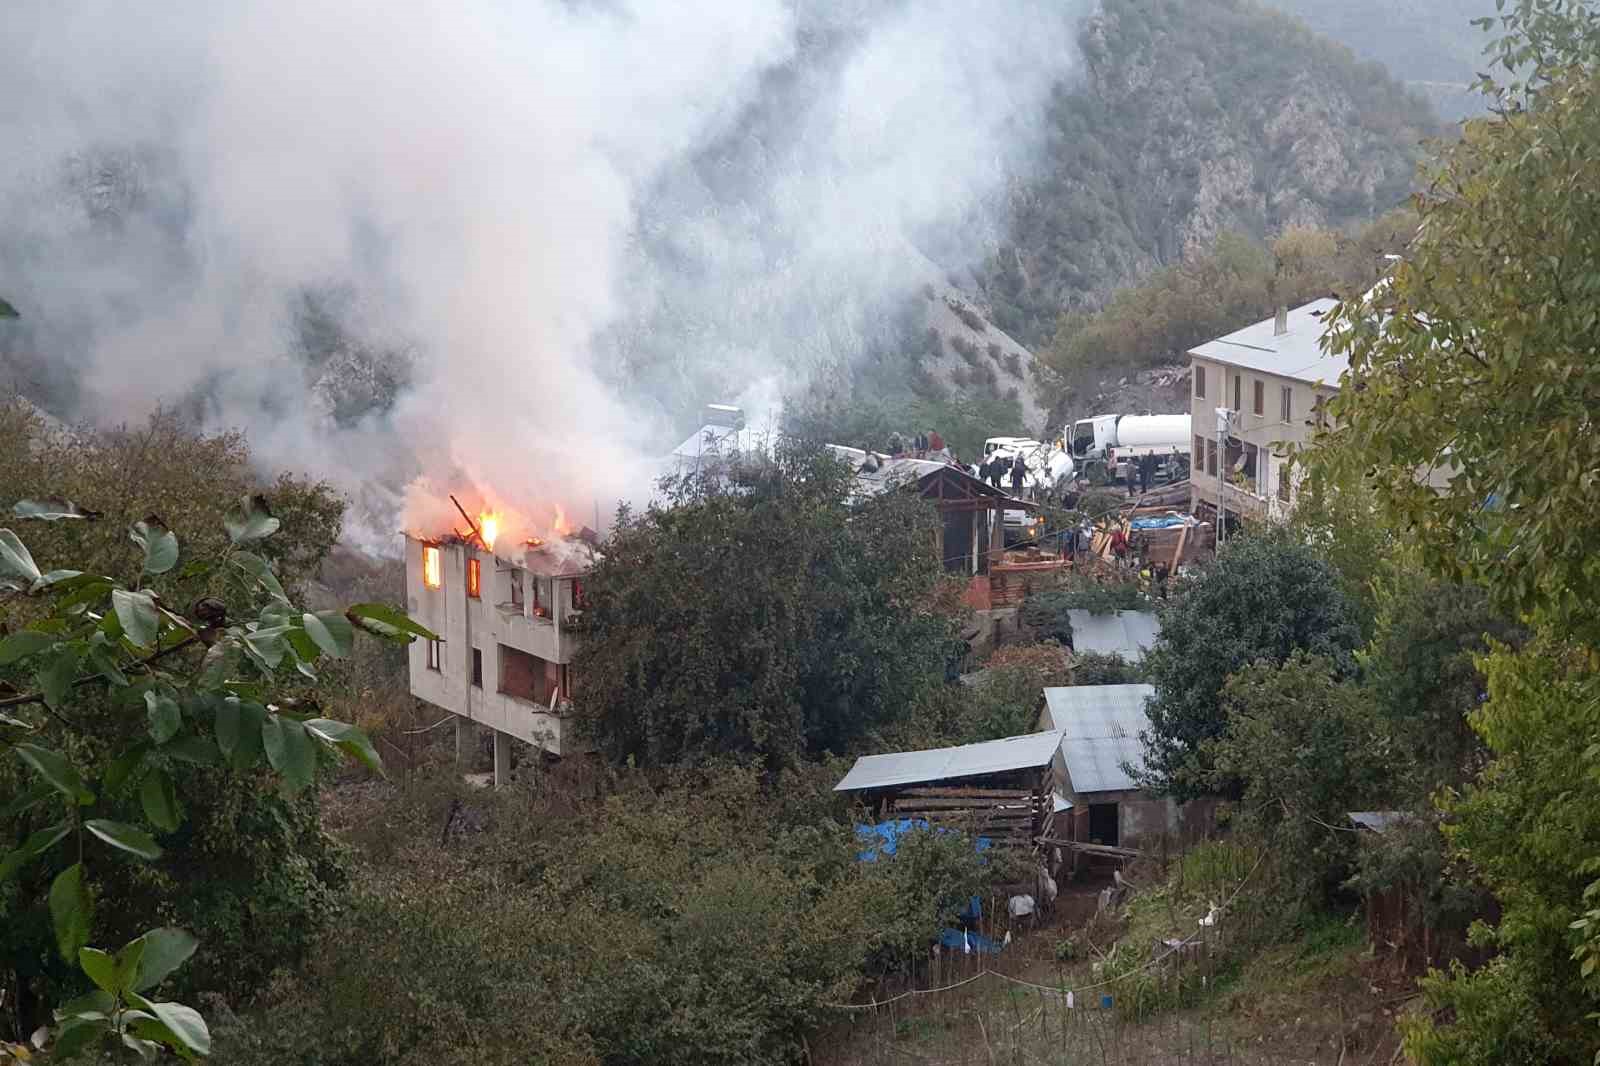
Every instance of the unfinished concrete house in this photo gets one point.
(1098, 754)
(510, 620)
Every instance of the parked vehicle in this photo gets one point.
(1119, 439)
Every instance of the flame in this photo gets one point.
(489, 528)
(430, 567)
(560, 524)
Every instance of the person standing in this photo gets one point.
(1019, 471)
(935, 442)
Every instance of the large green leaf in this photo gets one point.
(56, 674)
(346, 738)
(385, 621)
(160, 801)
(8, 311)
(259, 569)
(101, 967)
(54, 768)
(164, 716)
(193, 749)
(76, 1036)
(15, 559)
(38, 842)
(24, 643)
(137, 613)
(28, 797)
(70, 910)
(290, 751)
(251, 521)
(179, 1027)
(52, 509)
(98, 1002)
(124, 837)
(128, 963)
(123, 767)
(160, 544)
(240, 724)
(266, 647)
(164, 951)
(332, 631)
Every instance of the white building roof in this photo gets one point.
(1099, 726)
(714, 440)
(1026, 752)
(1124, 633)
(1296, 354)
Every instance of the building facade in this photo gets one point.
(1274, 381)
(509, 626)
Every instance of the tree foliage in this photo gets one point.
(763, 615)
(1476, 362)
(1265, 597)
(113, 697)
(1308, 748)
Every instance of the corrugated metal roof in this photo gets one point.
(1296, 354)
(1099, 727)
(1026, 752)
(1378, 821)
(1124, 633)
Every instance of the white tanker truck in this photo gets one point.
(1118, 439)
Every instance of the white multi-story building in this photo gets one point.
(509, 623)
(1274, 379)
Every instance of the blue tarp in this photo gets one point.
(884, 839)
(1157, 522)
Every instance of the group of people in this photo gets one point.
(920, 446)
(997, 468)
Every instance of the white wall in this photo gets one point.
(485, 624)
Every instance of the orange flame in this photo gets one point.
(489, 528)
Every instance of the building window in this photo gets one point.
(477, 667)
(432, 570)
(473, 587)
(515, 578)
(1199, 455)
(1286, 399)
(1319, 412)
(577, 593)
(1211, 457)
(1284, 481)
(1260, 398)
(1200, 381)
(1238, 392)
(434, 654)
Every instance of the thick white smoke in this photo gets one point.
(525, 206)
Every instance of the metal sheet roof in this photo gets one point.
(1124, 633)
(1099, 726)
(1378, 821)
(1296, 354)
(1026, 752)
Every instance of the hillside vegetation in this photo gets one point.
(1196, 118)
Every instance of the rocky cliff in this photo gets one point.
(1194, 117)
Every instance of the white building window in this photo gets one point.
(435, 654)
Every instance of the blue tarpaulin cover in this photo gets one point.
(884, 839)
(1157, 522)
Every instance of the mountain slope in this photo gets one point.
(1196, 117)
(1431, 45)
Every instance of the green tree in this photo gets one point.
(1307, 747)
(1475, 364)
(763, 615)
(1265, 597)
(1422, 674)
(187, 691)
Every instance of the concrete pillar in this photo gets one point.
(502, 759)
(466, 741)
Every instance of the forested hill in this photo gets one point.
(1195, 117)
(1430, 44)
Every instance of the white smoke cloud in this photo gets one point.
(538, 202)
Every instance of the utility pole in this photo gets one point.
(1224, 424)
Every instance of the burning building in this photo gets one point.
(510, 617)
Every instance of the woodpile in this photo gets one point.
(1009, 817)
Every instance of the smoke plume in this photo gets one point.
(492, 248)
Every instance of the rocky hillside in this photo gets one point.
(1431, 45)
(1195, 117)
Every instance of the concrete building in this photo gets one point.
(1276, 380)
(1099, 727)
(510, 623)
